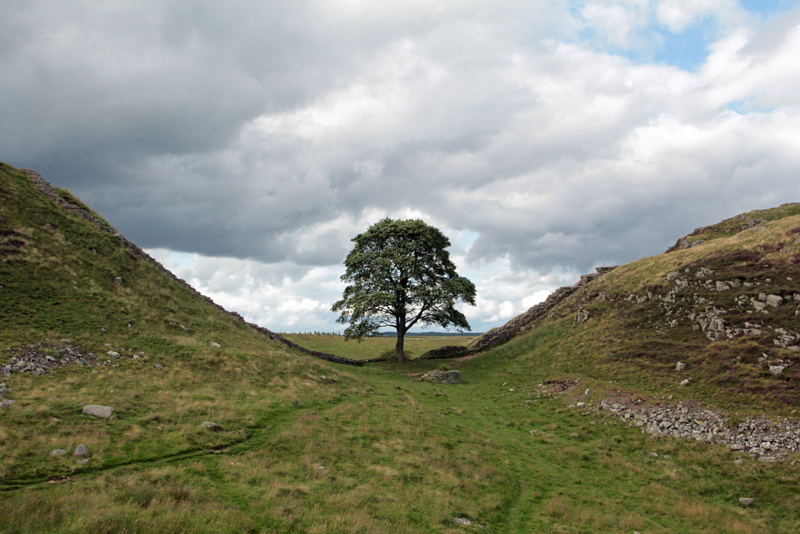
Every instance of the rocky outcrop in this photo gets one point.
(496, 336)
(35, 359)
(47, 190)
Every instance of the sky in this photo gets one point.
(245, 143)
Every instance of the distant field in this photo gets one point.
(375, 346)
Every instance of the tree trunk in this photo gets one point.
(398, 348)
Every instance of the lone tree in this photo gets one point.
(400, 275)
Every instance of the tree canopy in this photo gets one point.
(399, 276)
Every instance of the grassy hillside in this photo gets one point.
(303, 445)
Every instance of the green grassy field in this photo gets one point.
(375, 347)
(375, 450)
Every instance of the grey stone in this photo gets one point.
(113, 354)
(774, 300)
(672, 275)
(767, 459)
(680, 366)
(81, 451)
(215, 344)
(98, 411)
(776, 369)
(58, 452)
(685, 382)
(117, 281)
(158, 366)
(746, 501)
(211, 426)
(582, 316)
(462, 521)
(82, 460)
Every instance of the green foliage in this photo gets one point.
(400, 275)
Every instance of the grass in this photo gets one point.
(308, 446)
(407, 456)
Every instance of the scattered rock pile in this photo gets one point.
(767, 440)
(33, 359)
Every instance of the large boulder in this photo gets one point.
(98, 411)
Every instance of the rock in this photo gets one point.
(580, 405)
(685, 382)
(98, 411)
(82, 461)
(746, 501)
(462, 521)
(113, 354)
(215, 344)
(654, 454)
(321, 469)
(739, 461)
(158, 366)
(6, 403)
(445, 377)
(117, 281)
(211, 426)
(582, 316)
(58, 452)
(776, 369)
(81, 451)
(767, 459)
(672, 275)
(680, 366)
(183, 328)
(774, 300)
(588, 391)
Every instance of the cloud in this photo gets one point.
(261, 137)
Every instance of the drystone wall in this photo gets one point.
(47, 190)
(512, 328)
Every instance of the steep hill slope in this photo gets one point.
(724, 302)
(75, 296)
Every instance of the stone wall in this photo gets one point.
(496, 336)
